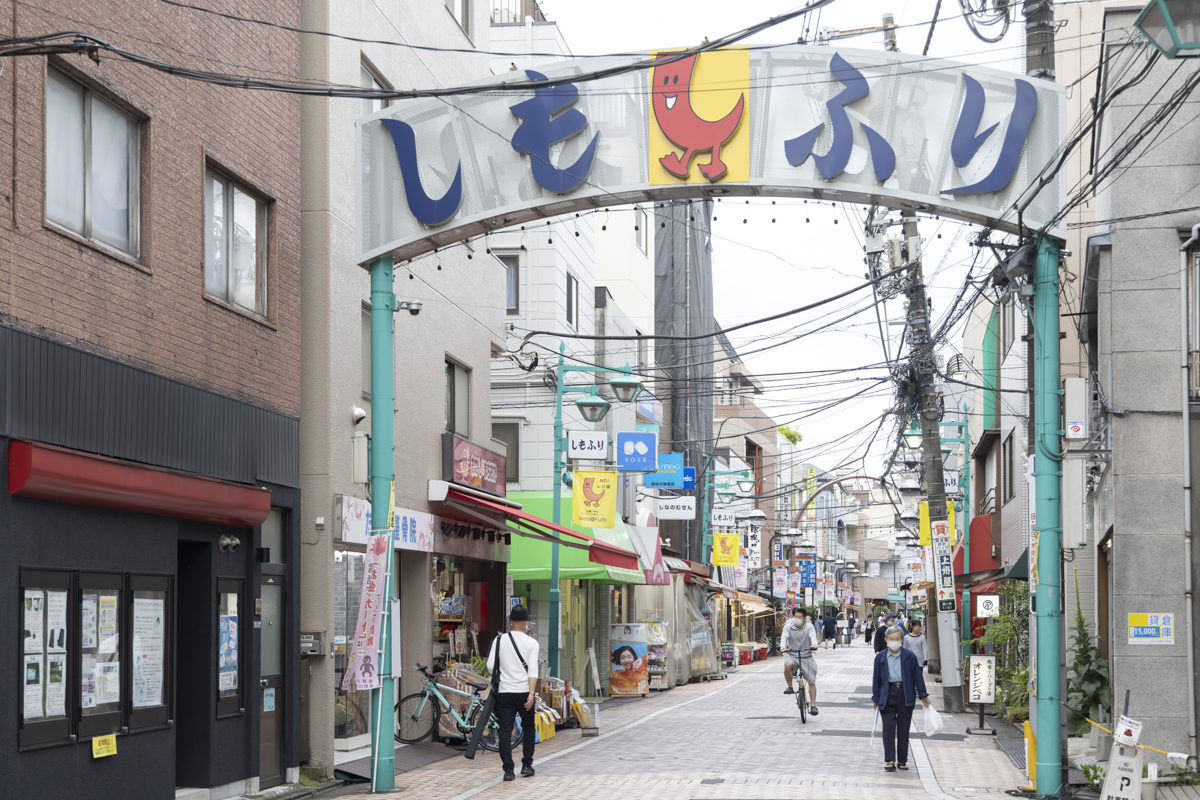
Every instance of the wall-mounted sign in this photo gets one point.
(649, 407)
(987, 605)
(587, 445)
(1152, 628)
(675, 507)
(469, 464)
(637, 451)
(943, 564)
(866, 126)
(669, 474)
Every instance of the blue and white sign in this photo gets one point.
(689, 477)
(637, 451)
(669, 474)
(808, 571)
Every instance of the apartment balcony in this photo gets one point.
(515, 11)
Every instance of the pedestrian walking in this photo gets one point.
(889, 620)
(515, 655)
(829, 629)
(895, 687)
(868, 630)
(916, 642)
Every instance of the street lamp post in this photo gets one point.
(1172, 26)
(593, 407)
(743, 476)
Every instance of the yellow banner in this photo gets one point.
(725, 549)
(391, 506)
(594, 500)
(926, 536)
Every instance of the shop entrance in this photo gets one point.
(271, 679)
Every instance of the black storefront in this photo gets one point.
(151, 530)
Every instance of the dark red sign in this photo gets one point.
(468, 464)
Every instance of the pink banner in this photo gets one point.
(781, 581)
(363, 670)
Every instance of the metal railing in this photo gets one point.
(987, 503)
(508, 11)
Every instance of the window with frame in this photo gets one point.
(96, 654)
(572, 300)
(512, 283)
(461, 11)
(639, 228)
(1008, 325)
(510, 434)
(1009, 466)
(643, 349)
(235, 244)
(92, 165)
(366, 352)
(367, 79)
(458, 397)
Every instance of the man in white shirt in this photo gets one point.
(798, 641)
(518, 662)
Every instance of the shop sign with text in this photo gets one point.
(469, 464)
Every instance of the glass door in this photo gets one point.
(271, 682)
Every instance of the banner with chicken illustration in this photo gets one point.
(726, 548)
(594, 501)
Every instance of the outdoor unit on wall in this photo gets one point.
(1075, 409)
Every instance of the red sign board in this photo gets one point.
(468, 464)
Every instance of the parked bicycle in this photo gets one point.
(417, 715)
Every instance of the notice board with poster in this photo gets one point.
(627, 656)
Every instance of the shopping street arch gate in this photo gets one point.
(856, 126)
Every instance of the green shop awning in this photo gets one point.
(530, 558)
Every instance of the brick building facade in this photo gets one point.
(149, 402)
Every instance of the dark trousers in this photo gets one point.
(897, 717)
(508, 706)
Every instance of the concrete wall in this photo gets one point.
(461, 320)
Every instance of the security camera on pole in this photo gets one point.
(931, 448)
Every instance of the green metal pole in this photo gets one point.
(556, 480)
(1048, 547)
(383, 466)
(965, 491)
(705, 528)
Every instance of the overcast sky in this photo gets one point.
(762, 268)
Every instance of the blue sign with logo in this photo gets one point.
(689, 477)
(637, 451)
(808, 571)
(669, 474)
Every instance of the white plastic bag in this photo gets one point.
(933, 721)
(874, 725)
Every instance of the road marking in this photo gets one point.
(537, 762)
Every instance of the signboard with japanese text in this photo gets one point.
(469, 464)
(675, 507)
(981, 680)
(987, 605)
(796, 120)
(777, 559)
(753, 531)
(1152, 628)
(780, 583)
(363, 670)
(594, 499)
(587, 445)
(669, 474)
(808, 570)
(1123, 777)
(943, 565)
(723, 519)
(810, 488)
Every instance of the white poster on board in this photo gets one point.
(108, 683)
(147, 651)
(87, 681)
(32, 677)
(87, 625)
(56, 622)
(34, 640)
(56, 687)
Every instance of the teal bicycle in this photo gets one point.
(417, 715)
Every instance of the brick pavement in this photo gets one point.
(738, 739)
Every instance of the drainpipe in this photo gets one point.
(1187, 481)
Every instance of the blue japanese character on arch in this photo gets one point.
(425, 208)
(539, 130)
(830, 165)
(966, 142)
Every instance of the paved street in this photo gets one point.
(738, 738)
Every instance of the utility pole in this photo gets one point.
(1048, 670)
(931, 444)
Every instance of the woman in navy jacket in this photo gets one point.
(895, 687)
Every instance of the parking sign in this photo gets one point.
(637, 451)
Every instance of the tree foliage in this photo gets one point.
(1088, 686)
(793, 436)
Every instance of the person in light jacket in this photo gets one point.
(916, 642)
(895, 687)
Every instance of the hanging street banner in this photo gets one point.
(363, 670)
(725, 549)
(808, 570)
(810, 488)
(594, 499)
(780, 583)
(856, 126)
(943, 565)
(753, 544)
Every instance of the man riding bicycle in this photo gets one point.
(798, 641)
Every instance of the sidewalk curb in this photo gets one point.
(929, 781)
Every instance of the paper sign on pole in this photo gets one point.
(725, 549)
(1127, 732)
(923, 513)
(943, 564)
(594, 499)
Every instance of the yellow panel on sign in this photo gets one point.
(725, 549)
(926, 536)
(699, 118)
(594, 499)
(104, 746)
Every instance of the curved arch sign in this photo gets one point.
(794, 121)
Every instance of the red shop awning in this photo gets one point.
(526, 524)
(46, 472)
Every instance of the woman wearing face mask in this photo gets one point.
(895, 687)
